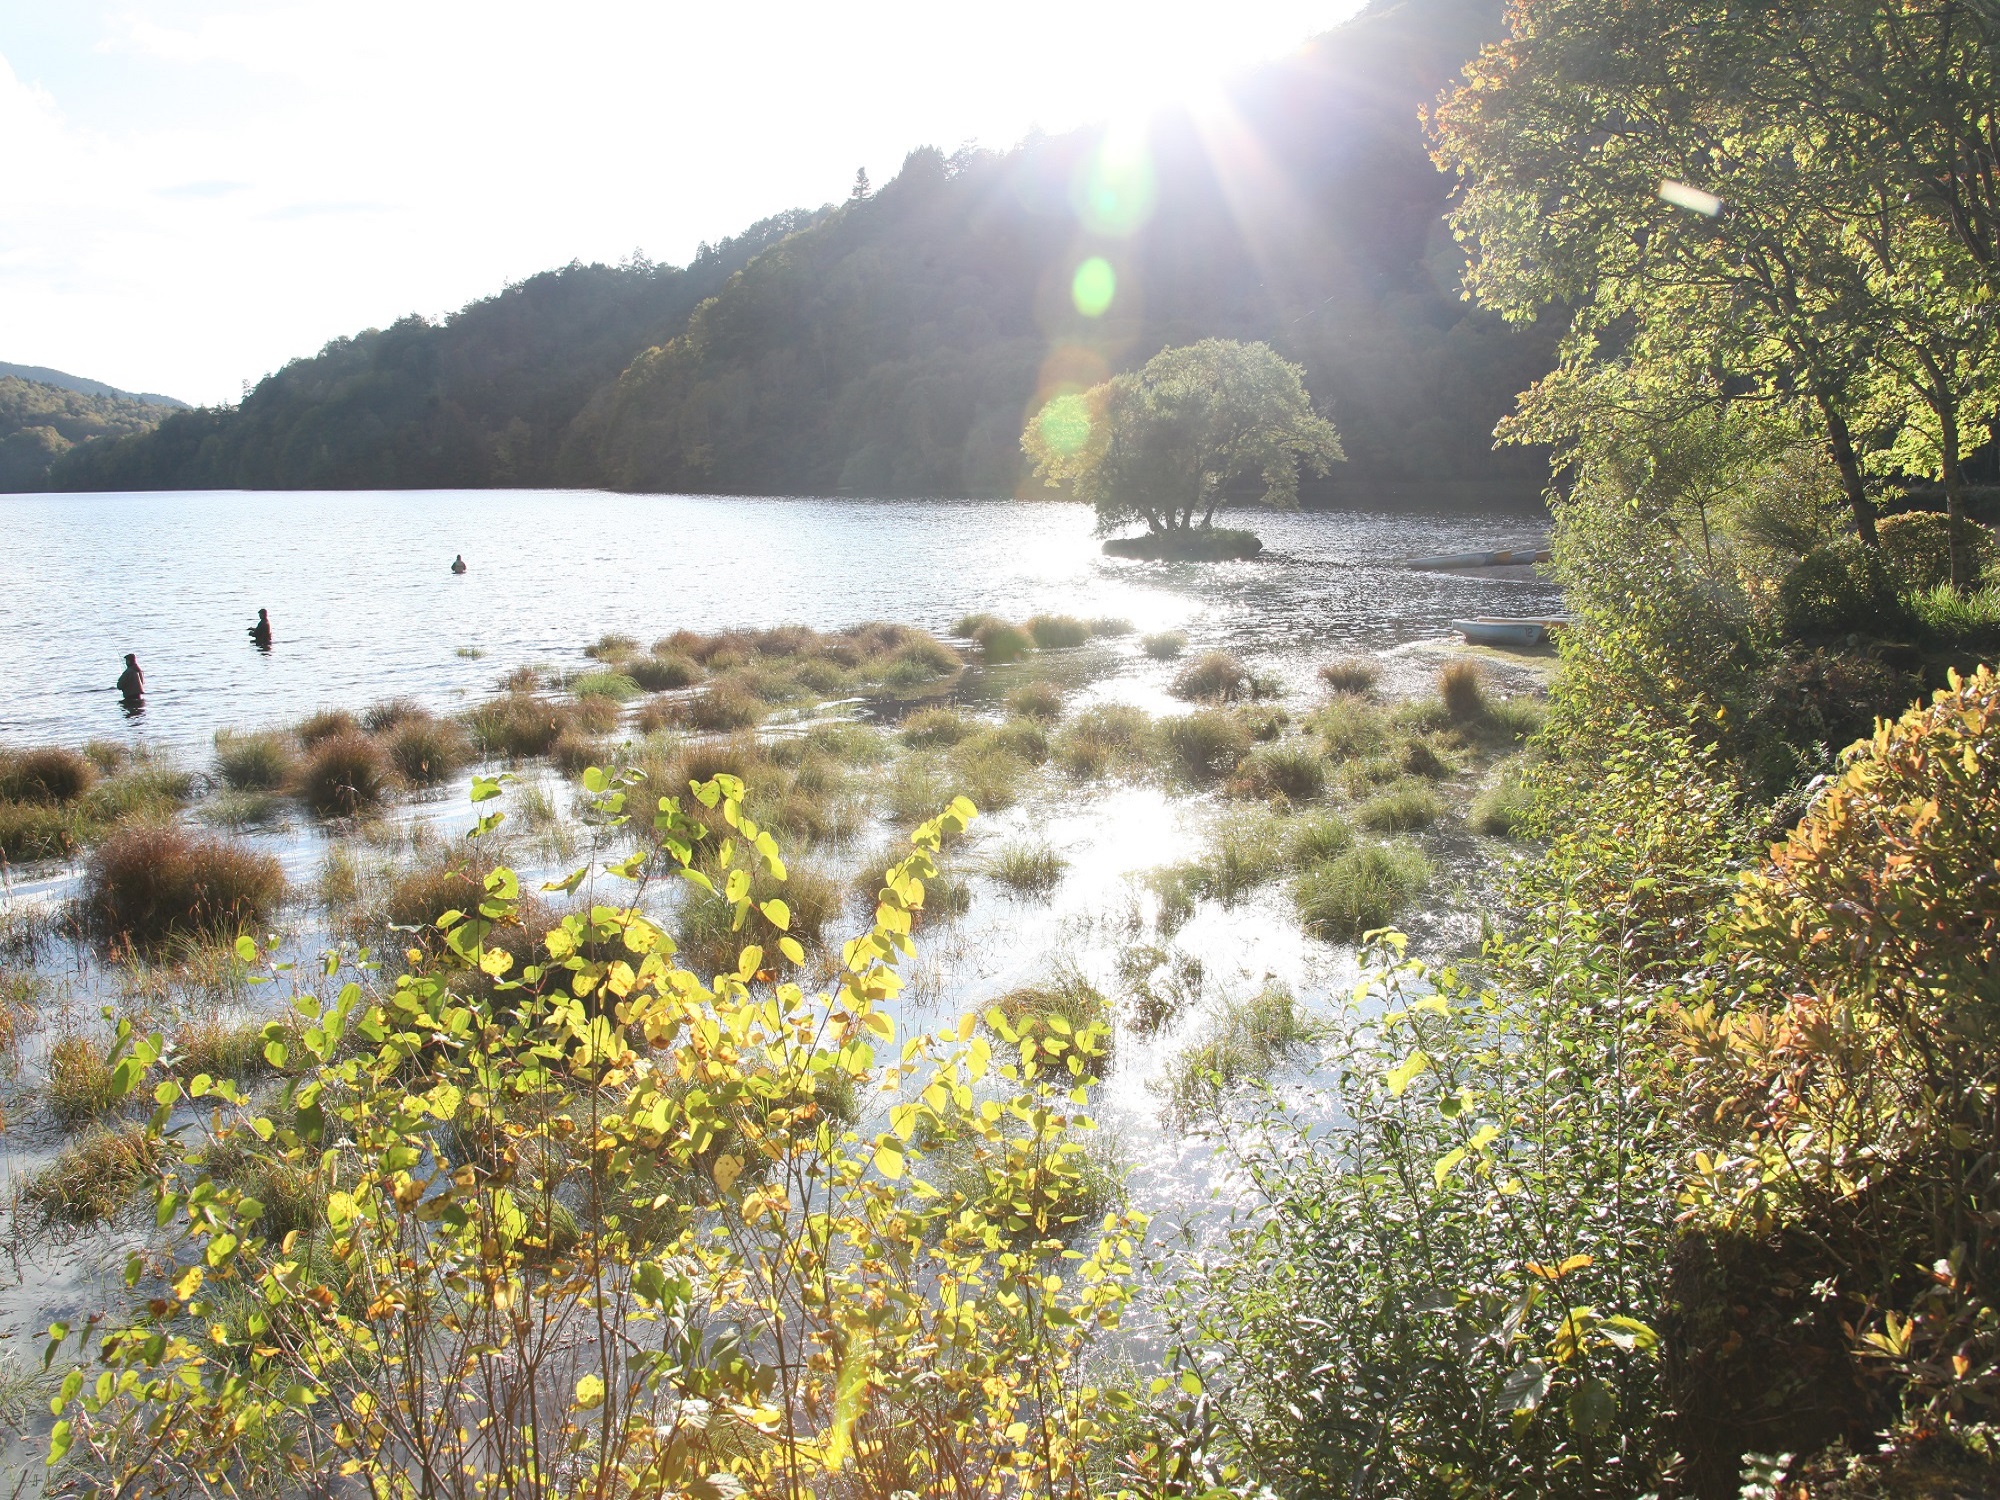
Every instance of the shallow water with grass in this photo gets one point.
(1190, 857)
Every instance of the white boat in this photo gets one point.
(1498, 630)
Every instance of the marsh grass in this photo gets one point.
(95, 1176)
(986, 768)
(1350, 726)
(616, 686)
(39, 830)
(1289, 769)
(344, 775)
(1245, 849)
(725, 706)
(1462, 690)
(148, 882)
(1421, 755)
(1313, 838)
(1402, 808)
(946, 897)
(325, 724)
(1351, 674)
(1164, 645)
(223, 1046)
(262, 761)
(1361, 890)
(23, 998)
(1057, 632)
(1206, 744)
(929, 727)
(1245, 1041)
(1029, 867)
(575, 751)
(1216, 677)
(611, 646)
(1035, 700)
(79, 1079)
(378, 718)
(1504, 807)
(1066, 1005)
(426, 751)
(1163, 984)
(1112, 739)
(658, 674)
(48, 774)
(1001, 643)
(239, 810)
(1110, 627)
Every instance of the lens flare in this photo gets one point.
(1093, 287)
(1113, 193)
(1065, 423)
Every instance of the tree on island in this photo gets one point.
(1170, 442)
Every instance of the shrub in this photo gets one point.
(326, 724)
(344, 775)
(1057, 632)
(1360, 890)
(1403, 808)
(1838, 590)
(391, 712)
(616, 687)
(253, 762)
(147, 882)
(657, 674)
(1110, 739)
(1207, 744)
(96, 1176)
(1462, 690)
(1030, 867)
(1826, 698)
(427, 751)
(1035, 700)
(1916, 549)
(1000, 643)
(1351, 674)
(935, 726)
(1314, 838)
(1164, 645)
(1289, 769)
(48, 775)
(1215, 677)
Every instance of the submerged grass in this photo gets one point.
(1243, 1043)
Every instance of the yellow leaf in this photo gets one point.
(889, 1159)
(727, 1170)
(1401, 1076)
(590, 1392)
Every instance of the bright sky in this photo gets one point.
(193, 192)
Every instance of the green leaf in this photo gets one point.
(60, 1437)
(246, 948)
(1405, 1072)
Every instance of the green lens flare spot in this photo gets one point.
(1066, 424)
(1093, 287)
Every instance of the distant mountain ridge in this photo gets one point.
(42, 375)
(894, 345)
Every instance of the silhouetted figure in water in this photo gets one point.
(132, 682)
(458, 563)
(261, 631)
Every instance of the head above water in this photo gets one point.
(131, 659)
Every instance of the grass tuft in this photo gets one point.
(1503, 809)
(1207, 744)
(426, 751)
(930, 727)
(1031, 868)
(50, 775)
(1000, 643)
(95, 1176)
(659, 674)
(1314, 838)
(1289, 769)
(1403, 808)
(1216, 677)
(1462, 687)
(614, 686)
(1057, 632)
(1248, 1039)
(326, 724)
(1035, 700)
(724, 707)
(261, 762)
(1113, 739)
(1164, 645)
(79, 1080)
(391, 712)
(344, 775)
(147, 882)
(1351, 674)
(1360, 890)
(1110, 627)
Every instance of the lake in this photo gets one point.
(365, 606)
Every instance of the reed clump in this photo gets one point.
(1361, 890)
(1029, 867)
(1216, 677)
(426, 751)
(49, 775)
(95, 1176)
(1403, 808)
(263, 761)
(1057, 632)
(147, 882)
(1288, 769)
(1462, 689)
(325, 724)
(1164, 645)
(344, 775)
(1112, 739)
(1207, 744)
(929, 727)
(1351, 674)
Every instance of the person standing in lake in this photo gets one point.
(458, 563)
(261, 631)
(131, 681)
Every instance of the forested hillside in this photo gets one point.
(895, 345)
(39, 423)
(482, 398)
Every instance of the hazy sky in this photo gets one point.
(194, 191)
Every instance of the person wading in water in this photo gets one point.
(131, 681)
(261, 631)
(458, 563)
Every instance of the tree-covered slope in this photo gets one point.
(895, 345)
(39, 423)
(482, 398)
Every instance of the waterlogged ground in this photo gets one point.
(1170, 976)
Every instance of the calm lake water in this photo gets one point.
(365, 606)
